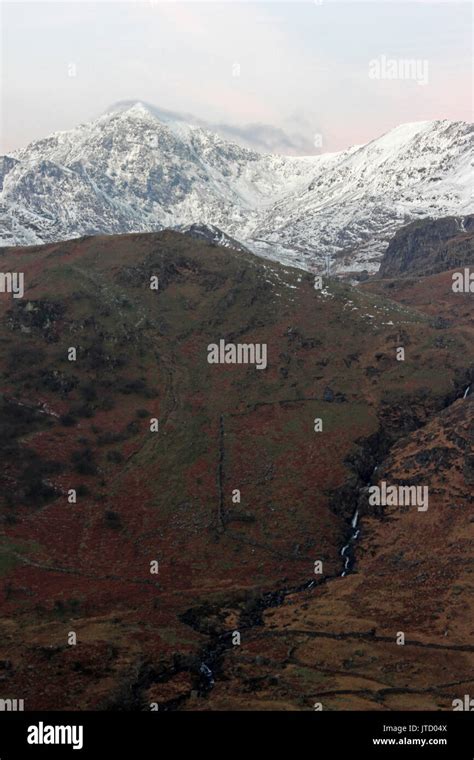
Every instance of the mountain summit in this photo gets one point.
(140, 169)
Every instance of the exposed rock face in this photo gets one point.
(429, 246)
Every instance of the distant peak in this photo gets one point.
(142, 108)
(139, 107)
(132, 108)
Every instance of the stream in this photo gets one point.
(347, 551)
(211, 655)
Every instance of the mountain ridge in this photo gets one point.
(127, 171)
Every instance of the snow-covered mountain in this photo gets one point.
(130, 171)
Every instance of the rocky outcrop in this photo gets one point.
(429, 246)
(209, 233)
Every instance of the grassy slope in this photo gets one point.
(146, 496)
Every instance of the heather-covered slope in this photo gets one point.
(339, 645)
(167, 496)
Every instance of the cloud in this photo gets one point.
(266, 138)
(261, 137)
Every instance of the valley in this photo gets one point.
(269, 566)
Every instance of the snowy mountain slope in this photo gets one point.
(357, 201)
(130, 171)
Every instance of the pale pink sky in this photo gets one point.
(303, 66)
